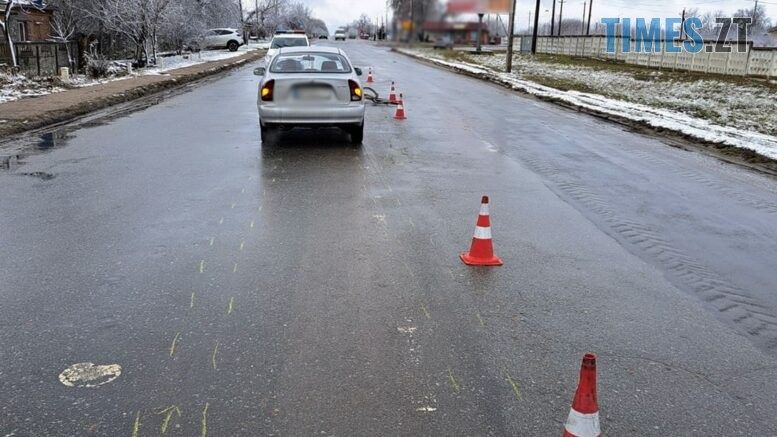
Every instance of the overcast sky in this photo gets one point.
(339, 12)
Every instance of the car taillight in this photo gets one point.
(267, 91)
(356, 91)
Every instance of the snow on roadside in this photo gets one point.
(696, 127)
(17, 87)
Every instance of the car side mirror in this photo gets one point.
(260, 71)
(358, 71)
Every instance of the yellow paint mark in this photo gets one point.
(202, 266)
(204, 432)
(259, 209)
(213, 357)
(212, 239)
(221, 221)
(136, 425)
(231, 305)
(168, 412)
(234, 269)
(191, 303)
(514, 385)
(243, 190)
(242, 245)
(482, 323)
(252, 224)
(233, 205)
(174, 343)
(398, 202)
(425, 311)
(411, 222)
(454, 383)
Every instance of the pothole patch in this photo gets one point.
(89, 375)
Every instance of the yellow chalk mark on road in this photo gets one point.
(242, 245)
(259, 209)
(174, 343)
(191, 302)
(204, 432)
(454, 383)
(398, 202)
(202, 266)
(243, 190)
(136, 425)
(212, 239)
(514, 385)
(213, 357)
(252, 224)
(425, 311)
(411, 222)
(233, 206)
(221, 221)
(234, 269)
(480, 319)
(231, 305)
(168, 412)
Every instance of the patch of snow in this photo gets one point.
(677, 121)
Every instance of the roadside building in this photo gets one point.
(30, 20)
(459, 32)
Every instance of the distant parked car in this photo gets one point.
(224, 38)
(323, 37)
(286, 39)
(445, 42)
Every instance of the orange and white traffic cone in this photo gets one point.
(400, 113)
(481, 252)
(369, 77)
(583, 420)
(393, 94)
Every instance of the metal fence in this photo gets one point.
(752, 61)
(41, 58)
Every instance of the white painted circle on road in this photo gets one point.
(89, 375)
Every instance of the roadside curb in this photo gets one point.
(731, 154)
(177, 78)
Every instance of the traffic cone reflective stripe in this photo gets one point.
(393, 94)
(583, 420)
(481, 252)
(400, 113)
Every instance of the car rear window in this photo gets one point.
(278, 43)
(310, 63)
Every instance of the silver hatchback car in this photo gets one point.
(310, 87)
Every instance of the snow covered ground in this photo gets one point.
(742, 114)
(20, 86)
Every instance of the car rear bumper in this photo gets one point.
(330, 115)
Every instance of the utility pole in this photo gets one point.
(480, 32)
(755, 14)
(582, 25)
(560, 18)
(553, 19)
(510, 31)
(590, 8)
(536, 28)
(682, 26)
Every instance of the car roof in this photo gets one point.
(311, 49)
(289, 35)
(224, 28)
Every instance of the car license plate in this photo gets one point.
(312, 93)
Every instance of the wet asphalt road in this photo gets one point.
(315, 288)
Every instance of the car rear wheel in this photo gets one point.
(269, 136)
(357, 134)
(233, 46)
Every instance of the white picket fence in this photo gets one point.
(753, 61)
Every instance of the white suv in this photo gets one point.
(286, 39)
(223, 38)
